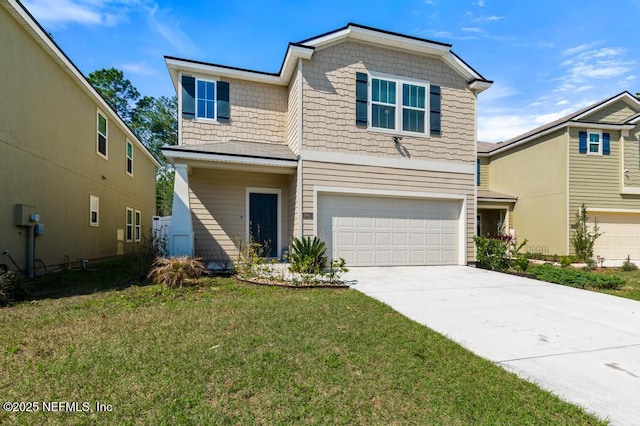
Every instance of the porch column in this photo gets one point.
(181, 230)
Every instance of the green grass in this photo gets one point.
(631, 289)
(230, 353)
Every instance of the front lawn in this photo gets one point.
(231, 353)
(631, 289)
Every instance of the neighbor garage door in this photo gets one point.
(620, 235)
(379, 231)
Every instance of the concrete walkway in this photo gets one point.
(581, 345)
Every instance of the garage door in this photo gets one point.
(379, 231)
(621, 235)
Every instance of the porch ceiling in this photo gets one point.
(257, 156)
(493, 196)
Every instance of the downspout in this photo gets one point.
(299, 186)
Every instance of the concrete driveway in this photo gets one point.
(582, 346)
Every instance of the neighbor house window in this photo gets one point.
(129, 229)
(129, 158)
(138, 218)
(594, 142)
(206, 99)
(102, 135)
(398, 104)
(94, 210)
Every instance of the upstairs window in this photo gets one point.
(129, 164)
(397, 104)
(594, 143)
(102, 135)
(206, 99)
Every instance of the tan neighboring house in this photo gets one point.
(364, 138)
(74, 178)
(539, 180)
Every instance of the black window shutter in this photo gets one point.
(361, 99)
(582, 145)
(434, 109)
(222, 103)
(188, 97)
(606, 144)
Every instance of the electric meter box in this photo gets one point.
(25, 215)
(38, 229)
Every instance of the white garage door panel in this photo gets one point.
(620, 235)
(377, 231)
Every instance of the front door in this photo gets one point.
(263, 221)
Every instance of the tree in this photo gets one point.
(153, 120)
(118, 91)
(583, 238)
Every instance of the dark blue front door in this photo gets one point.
(263, 221)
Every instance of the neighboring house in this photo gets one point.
(365, 138)
(590, 157)
(65, 156)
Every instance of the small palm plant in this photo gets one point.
(308, 255)
(175, 271)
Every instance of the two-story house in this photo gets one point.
(68, 163)
(365, 138)
(589, 157)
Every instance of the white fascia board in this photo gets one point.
(60, 58)
(624, 95)
(288, 68)
(221, 158)
(600, 126)
(496, 200)
(480, 85)
(379, 38)
(394, 163)
(606, 210)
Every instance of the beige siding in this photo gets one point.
(293, 136)
(48, 160)
(386, 179)
(632, 161)
(596, 180)
(329, 104)
(537, 175)
(258, 114)
(618, 112)
(219, 205)
(484, 173)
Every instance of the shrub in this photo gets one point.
(565, 261)
(175, 271)
(628, 266)
(576, 278)
(491, 253)
(583, 239)
(308, 256)
(7, 287)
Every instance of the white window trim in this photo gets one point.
(127, 158)
(106, 136)
(278, 192)
(126, 225)
(594, 132)
(215, 100)
(398, 104)
(137, 226)
(97, 200)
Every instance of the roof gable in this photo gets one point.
(305, 49)
(605, 108)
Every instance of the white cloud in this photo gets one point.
(472, 29)
(169, 28)
(138, 68)
(492, 18)
(63, 11)
(479, 3)
(562, 102)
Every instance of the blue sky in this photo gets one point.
(546, 57)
